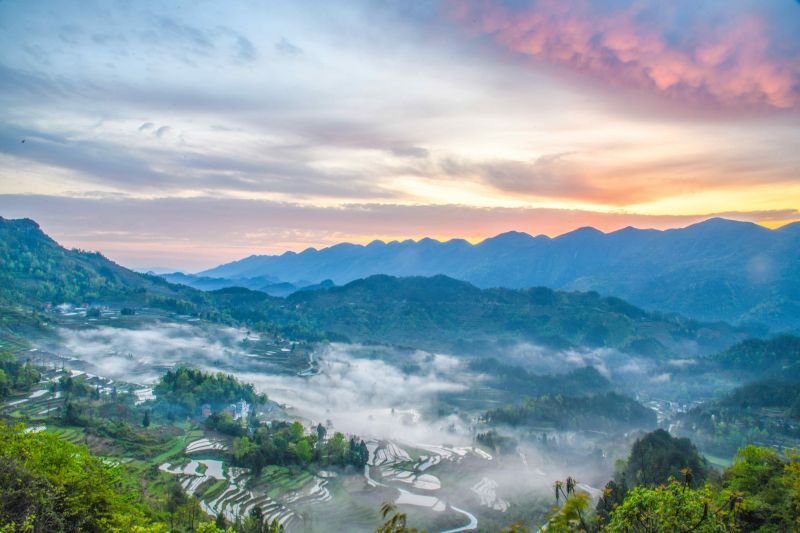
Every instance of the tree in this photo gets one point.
(673, 507)
(573, 513)
(657, 457)
(336, 449)
(254, 523)
(303, 451)
(176, 498)
(394, 521)
(769, 486)
(296, 431)
(612, 497)
(571, 516)
(49, 484)
(5, 385)
(146, 419)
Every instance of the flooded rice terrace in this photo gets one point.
(422, 461)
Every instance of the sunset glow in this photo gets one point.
(198, 136)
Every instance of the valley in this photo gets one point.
(457, 406)
(439, 266)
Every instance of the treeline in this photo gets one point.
(494, 441)
(187, 389)
(579, 382)
(778, 357)
(766, 411)
(16, 376)
(281, 443)
(599, 412)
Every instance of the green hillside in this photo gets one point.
(430, 313)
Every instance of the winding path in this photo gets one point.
(473, 520)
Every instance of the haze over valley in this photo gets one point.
(439, 266)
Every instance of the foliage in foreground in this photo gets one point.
(48, 484)
(759, 492)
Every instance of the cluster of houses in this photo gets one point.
(239, 410)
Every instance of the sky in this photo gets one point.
(181, 135)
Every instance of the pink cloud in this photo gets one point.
(730, 61)
(198, 233)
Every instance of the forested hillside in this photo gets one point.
(443, 313)
(776, 357)
(715, 270)
(431, 313)
(35, 268)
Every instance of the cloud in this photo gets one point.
(178, 32)
(195, 233)
(284, 46)
(551, 175)
(245, 50)
(350, 123)
(410, 151)
(365, 395)
(166, 170)
(726, 53)
(360, 394)
(98, 160)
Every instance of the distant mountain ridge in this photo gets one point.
(267, 284)
(715, 270)
(418, 312)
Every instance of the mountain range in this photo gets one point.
(715, 270)
(432, 313)
(267, 284)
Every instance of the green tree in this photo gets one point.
(48, 484)
(673, 507)
(768, 485)
(657, 457)
(394, 521)
(296, 432)
(176, 498)
(303, 451)
(5, 385)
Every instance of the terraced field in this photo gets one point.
(424, 480)
(233, 492)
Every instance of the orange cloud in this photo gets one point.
(730, 61)
(198, 233)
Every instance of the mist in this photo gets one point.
(368, 391)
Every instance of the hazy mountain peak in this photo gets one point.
(719, 223)
(791, 227)
(676, 270)
(510, 238)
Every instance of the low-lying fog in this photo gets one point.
(363, 390)
(356, 388)
(359, 395)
